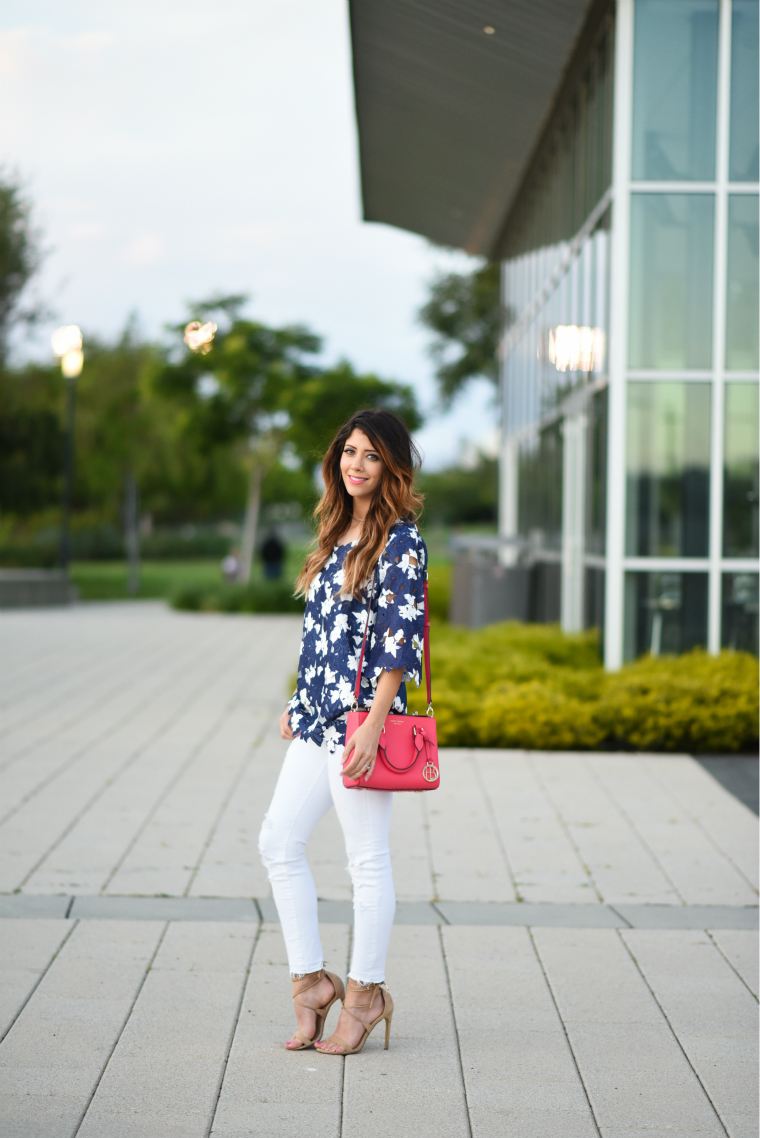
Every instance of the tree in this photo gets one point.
(20, 258)
(464, 312)
(256, 391)
(233, 392)
(322, 402)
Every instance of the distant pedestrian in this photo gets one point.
(273, 556)
(231, 565)
(367, 536)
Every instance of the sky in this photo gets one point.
(173, 149)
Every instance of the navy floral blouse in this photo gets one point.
(333, 628)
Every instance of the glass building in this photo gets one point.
(629, 359)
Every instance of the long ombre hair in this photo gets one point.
(394, 499)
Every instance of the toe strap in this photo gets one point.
(334, 1039)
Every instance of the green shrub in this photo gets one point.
(274, 596)
(531, 686)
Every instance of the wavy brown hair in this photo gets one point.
(395, 499)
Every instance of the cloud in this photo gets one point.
(87, 43)
(88, 230)
(147, 249)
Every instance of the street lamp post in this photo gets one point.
(67, 345)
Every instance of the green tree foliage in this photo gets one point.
(20, 258)
(464, 312)
(31, 439)
(320, 404)
(457, 496)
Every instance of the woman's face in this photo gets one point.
(360, 466)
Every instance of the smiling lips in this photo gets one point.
(357, 481)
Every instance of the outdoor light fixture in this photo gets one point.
(576, 349)
(67, 345)
(198, 336)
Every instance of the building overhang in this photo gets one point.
(449, 113)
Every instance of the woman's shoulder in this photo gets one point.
(403, 537)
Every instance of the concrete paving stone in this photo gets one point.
(410, 856)
(495, 1122)
(593, 978)
(710, 1010)
(634, 1069)
(544, 862)
(382, 1086)
(468, 860)
(514, 1051)
(22, 1116)
(56, 1081)
(231, 865)
(26, 905)
(174, 1044)
(73, 1033)
(131, 1124)
(741, 949)
(621, 866)
(566, 916)
(699, 870)
(268, 1090)
(165, 908)
(416, 913)
(689, 916)
(695, 986)
(637, 1076)
(728, 822)
(26, 948)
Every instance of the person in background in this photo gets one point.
(231, 565)
(273, 556)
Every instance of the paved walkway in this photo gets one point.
(574, 952)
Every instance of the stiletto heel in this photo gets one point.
(386, 1014)
(321, 1013)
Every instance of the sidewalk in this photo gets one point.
(574, 952)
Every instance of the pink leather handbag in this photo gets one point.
(407, 754)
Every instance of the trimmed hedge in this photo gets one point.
(275, 596)
(531, 686)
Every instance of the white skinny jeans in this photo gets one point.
(310, 783)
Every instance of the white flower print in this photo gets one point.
(409, 611)
(333, 630)
(327, 606)
(392, 641)
(409, 562)
(340, 626)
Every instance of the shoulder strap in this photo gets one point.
(425, 649)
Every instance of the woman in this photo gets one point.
(369, 551)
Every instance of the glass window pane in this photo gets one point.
(667, 469)
(670, 304)
(539, 489)
(740, 470)
(674, 90)
(742, 291)
(743, 152)
(665, 613)
(739, 626)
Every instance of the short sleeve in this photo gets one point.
(399, 627)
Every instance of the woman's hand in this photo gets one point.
(286, 731)
(360, 753)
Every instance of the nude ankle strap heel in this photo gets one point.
(386, 1014)
(321, 1013)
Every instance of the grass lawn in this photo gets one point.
(107, 580)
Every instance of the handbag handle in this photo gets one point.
(425, 652)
